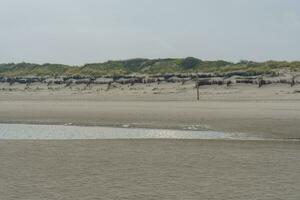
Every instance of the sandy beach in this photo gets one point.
(160, 168)
(272, 111)
(149, 169)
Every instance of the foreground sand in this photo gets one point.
(272, 111)
(149, 169)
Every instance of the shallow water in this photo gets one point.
(61, 132)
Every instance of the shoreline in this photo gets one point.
(184, 134)
(99, 124)
(272, 111)
(267, 119)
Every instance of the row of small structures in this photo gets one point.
(201, 78)
(126, 79)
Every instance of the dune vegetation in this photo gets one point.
(147, 66)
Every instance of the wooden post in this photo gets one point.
(197, 86)
(293, 81)
(260, 81)
(228, 83)
(198, 95)
(108, 86)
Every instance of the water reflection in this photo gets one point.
(60, 132)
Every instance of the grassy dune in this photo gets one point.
(148, 66)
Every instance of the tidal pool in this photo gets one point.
(61, 132)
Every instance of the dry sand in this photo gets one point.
(272, 111)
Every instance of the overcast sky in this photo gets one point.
(82, 31)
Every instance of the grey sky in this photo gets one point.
(81, 31)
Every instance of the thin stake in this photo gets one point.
(197, 86)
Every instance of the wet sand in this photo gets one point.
(272, 119)
(149, 169)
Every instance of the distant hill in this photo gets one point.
(147, 66)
